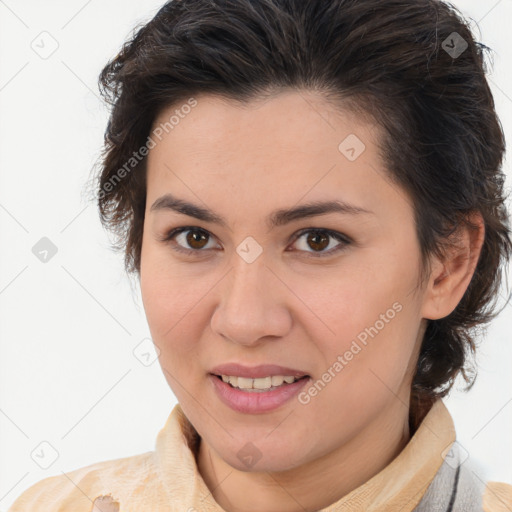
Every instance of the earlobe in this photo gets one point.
(451, 275)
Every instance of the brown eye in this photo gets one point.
(196, 238)
(319, 240)
(189, 239)
(194, 241)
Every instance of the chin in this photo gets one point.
(253, 458)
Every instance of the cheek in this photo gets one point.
(350, 300)
(162, 288)
(169, 308)
(169, 305)
(174, 299)
(367, 315)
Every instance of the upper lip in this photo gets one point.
(255, 372)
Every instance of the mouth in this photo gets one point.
(257, 395)
(259, 385)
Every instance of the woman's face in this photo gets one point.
(262, 288)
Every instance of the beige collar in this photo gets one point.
(399, 486)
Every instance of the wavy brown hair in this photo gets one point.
(387, 59)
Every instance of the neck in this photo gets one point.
(315, 484)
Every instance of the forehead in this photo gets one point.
(280, 149)
(298, 113)
(294, 130)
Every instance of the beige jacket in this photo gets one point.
(167, 479)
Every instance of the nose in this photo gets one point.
(252, 305)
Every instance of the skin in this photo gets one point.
(287, 307)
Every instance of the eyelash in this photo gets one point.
(333, 234)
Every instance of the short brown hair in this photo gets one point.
(412, 65)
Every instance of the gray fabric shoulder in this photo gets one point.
(455, 488)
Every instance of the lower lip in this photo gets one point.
(256, 402)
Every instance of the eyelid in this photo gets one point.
(343, 239)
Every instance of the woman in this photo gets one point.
(311, 196)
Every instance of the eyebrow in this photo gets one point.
(279, 217)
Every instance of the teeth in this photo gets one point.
(264, 383)
(277, 380)
(244, 383)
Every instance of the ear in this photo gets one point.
(451, 275)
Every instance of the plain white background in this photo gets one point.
(70, 380)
